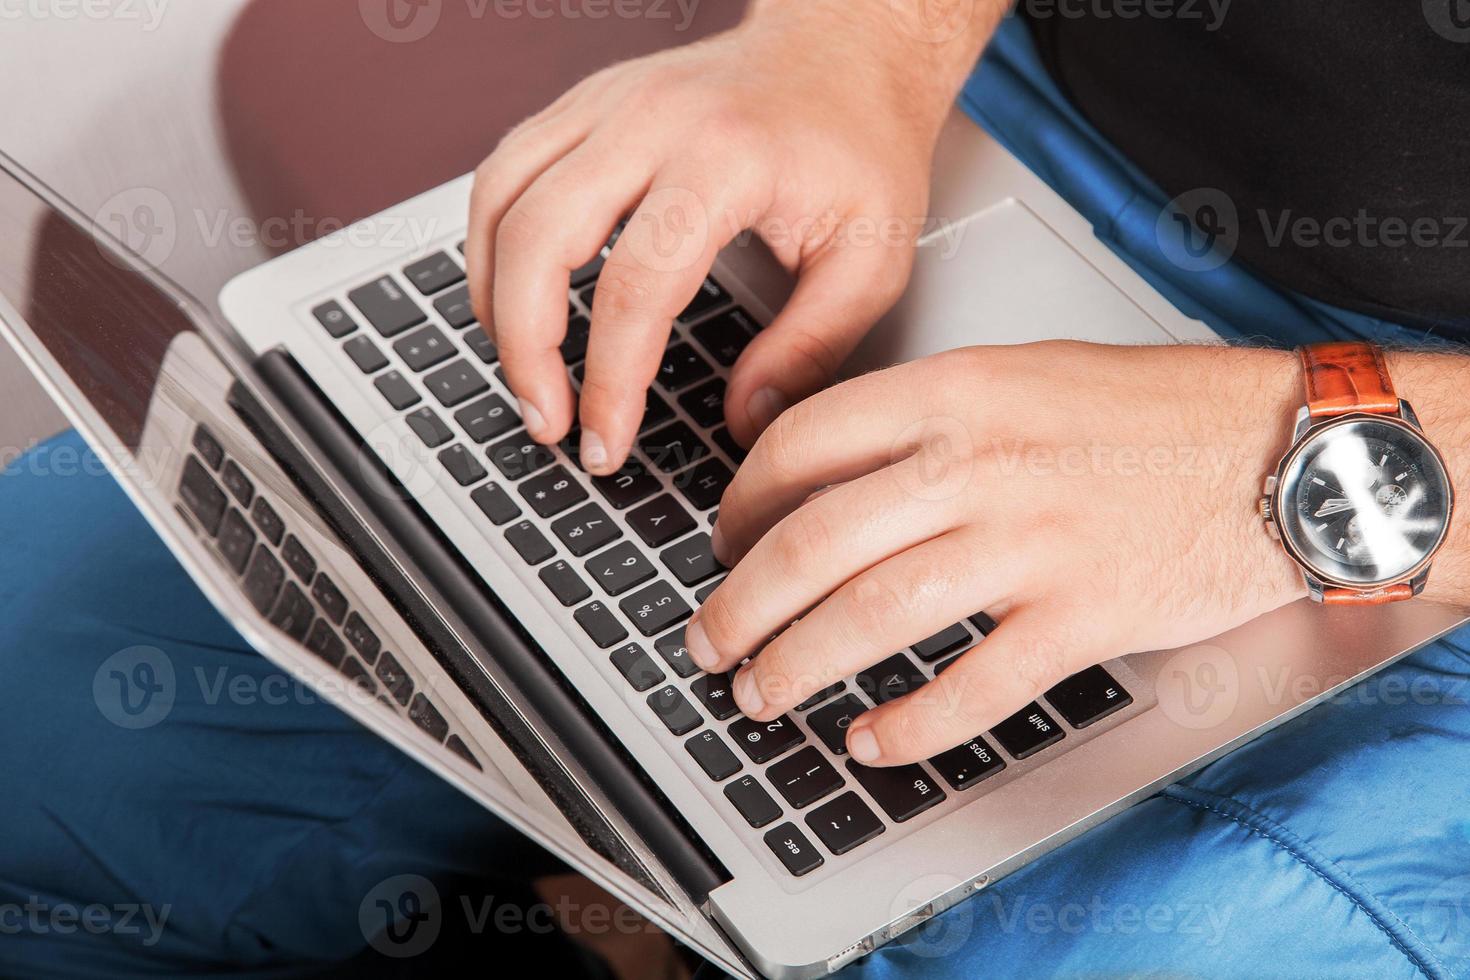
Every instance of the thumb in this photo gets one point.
(838, 297)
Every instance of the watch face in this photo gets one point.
(1364, 502)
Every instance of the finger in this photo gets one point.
(1030, 652)
(807, 556)
(651, 274)
(524, 154)
(840, 434)
(893, 605)
(838, 298)
(561, 220)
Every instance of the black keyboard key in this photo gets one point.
(637, 667)
(620, 568)
(600, 624)
(208, 446)
(396, 390)
(830, 723)
(529, 542)
(946, 664)
(706, 404)
(462, 465)
(660, 521)
(673, 447)
(713, 691)
(574, 345)
(326, 644)
(268, 521)
(430, 428)
(1027, 732)
(334, 319)
(825, 694)
(844, 823)
(713, 755)
(983, 623)
(299, 560)
(388, 308)
(202, 495)
(1088, 697)
(655, 608)
(903, 792)
(553, 491)
(705, 592)
(362, 638)
(943, 643)
(482, 346)
(330, 598)
(564, 582)
(804, 778)
(582, 275)
(496, 504)
(293, 613)
(691, 560)
(892, 678)
(395, 678)
(518, 456)
(586, 529)
(630, 484)
(671, 647)
(455, 308)
(424, 348)
(236, 541)
(727, 335)
(681, 367)
(487, 418)
(656, 412)
(456, 383)
(354, 671)
(237, 483)
(263, 579)
(799, 855)
(752, 801)
(456, 745)
(966, 765)
(430, 275)
(674, 710)
(421, 712)
(710, 297)
(727, 443)
(764, 740)
(365, 354)
(704, 485)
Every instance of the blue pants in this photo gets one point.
(244, 830)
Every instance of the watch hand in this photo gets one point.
(1335, 505)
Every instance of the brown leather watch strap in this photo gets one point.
(1347, 377)
(1378, 597)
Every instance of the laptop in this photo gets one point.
(339, 465)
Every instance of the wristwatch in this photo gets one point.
(1361, 501)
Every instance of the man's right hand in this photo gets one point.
(813, 123)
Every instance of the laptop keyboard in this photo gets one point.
(629, 557)
(280, 577)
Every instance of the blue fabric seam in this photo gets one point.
(1400, 936)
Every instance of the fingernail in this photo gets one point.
(746, 693)
(531, 415)
(863, 746)
(718, 546)
(701, 650)
(594, 451)
(765, 405)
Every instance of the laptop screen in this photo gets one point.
(106, 325)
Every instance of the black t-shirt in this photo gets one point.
(1339, 129)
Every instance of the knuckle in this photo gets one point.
(801, 536)
(815, 351)
(1041, 659)
(520, 229)
(784, 446)
(625, 294)
(873, 603)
